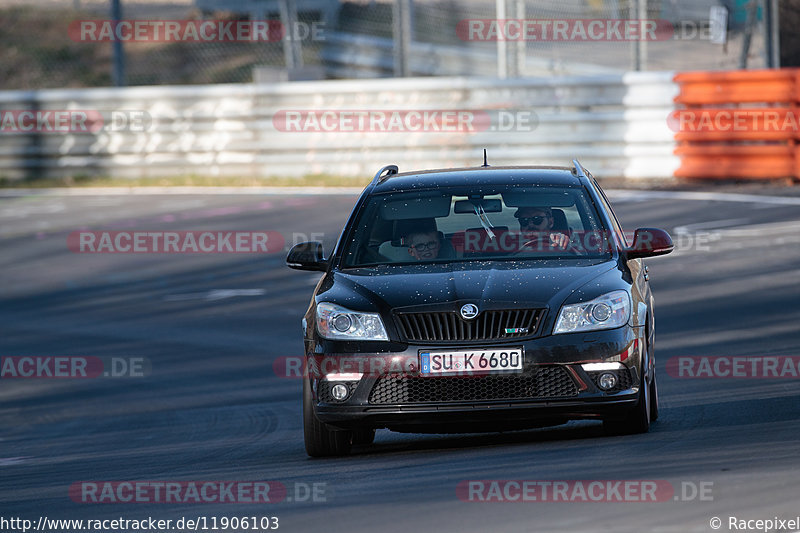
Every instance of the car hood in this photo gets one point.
(487, 284)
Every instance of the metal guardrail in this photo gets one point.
(616, 124)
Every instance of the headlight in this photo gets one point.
(611, 310)
(336, 322)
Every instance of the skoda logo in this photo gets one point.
(469, 311)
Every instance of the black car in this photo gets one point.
(478, 299)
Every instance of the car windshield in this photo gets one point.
(458, 224)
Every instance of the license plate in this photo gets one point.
(470, 361)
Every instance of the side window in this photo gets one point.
(617, 226)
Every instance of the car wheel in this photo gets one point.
(363, 436)
(637, 421)
(639, 418)
(322, 440)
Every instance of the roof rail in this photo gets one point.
(384, 173)
(578, 169)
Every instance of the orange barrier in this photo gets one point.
(741, 162)
(738, 124)
(737, 86)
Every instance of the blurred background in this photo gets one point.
(188, 108)
(365, 39)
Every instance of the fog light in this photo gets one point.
(607, 381)
(339, 392)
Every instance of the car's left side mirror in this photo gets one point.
(649, 242)
(307, 256)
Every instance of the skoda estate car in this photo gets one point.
(478, 299)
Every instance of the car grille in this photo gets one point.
(448, 326)
(545, 382)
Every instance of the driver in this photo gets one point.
(536, 229)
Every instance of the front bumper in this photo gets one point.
(551, 388)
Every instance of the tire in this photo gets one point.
(639, 418)
(363, 436)
(637, 421)
(651, 344)
(321, 440)
(653, 399)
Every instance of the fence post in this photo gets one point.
(291, 45)
(401, 32)
(639, 48)
(502, 49)
(771, 25)
(118, 74)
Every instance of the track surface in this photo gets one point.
(213, 409)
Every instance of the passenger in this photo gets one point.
(423, 245)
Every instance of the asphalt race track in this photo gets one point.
(210, 407)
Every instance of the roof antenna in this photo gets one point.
(485, 163)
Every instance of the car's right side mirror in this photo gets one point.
(649, 242)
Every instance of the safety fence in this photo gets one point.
(344, 38)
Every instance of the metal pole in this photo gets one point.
(771, 33)
(638, 46)
(118, 73)
(401, 33)
(502, 51)
(642, 42)
(521, 44)
(291, 44)
(296, 43)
